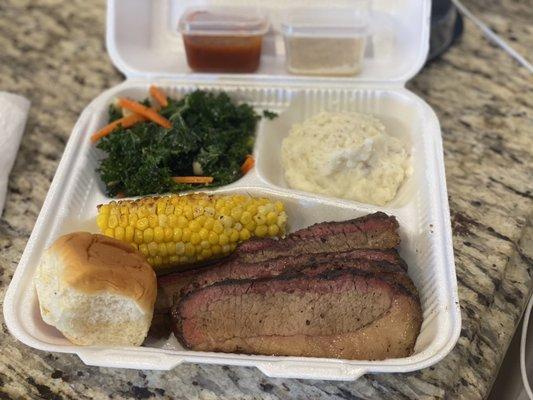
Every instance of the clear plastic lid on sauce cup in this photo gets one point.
(223, 39)
(322, 41)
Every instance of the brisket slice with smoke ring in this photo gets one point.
(373, 231)
(235, 269)
(344, 314)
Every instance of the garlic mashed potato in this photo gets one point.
(347, 155)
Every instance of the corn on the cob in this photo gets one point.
(175, 230)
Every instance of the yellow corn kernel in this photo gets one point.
(216, 249)
(109, 232)
(138, 236)
(143, 248)
(205, 244)
(128, 234)
(182, 222)
(218, 227)
(153, 220)
(273, 230)
(261, 231)
(219, 203)
(250, 226)
(203, 202)
(201, 220)
(204, 234)
(176, 234)
(189, 249)
(159, 235)
(207, 253)
(246, 217)
(186, 237)
(240, 198)
(260, 219)
(209, 223)
(153, 248)
(172, 221)
(162, 249)
(197, 211)
(101, 221)
(169, 210)
(213, 238)
(162, 220)
(234, 236)
(252, 209)
(195, 226)
(271, 218)
(170, 248)
(282, 220)
(142, 212)
(244, 234)
(169, 233)
(158, 260)
(180, 248)
(123, 220)
(209, 211)
(119, 233)
(148, 235)
(224, 210)
(161, 205)
(227, 221)
(236, 213)
(195, 238)
(142, 223)
(223, 239)
(112, 221)
(103, 209)
(132, 218)
(173, 260)
(187, 212)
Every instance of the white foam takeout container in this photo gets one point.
(143, 44)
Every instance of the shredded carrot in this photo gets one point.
(146, 112)
(125, 122)
(193, 179)
(248, 164)
(158, 95)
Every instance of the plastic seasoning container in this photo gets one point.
(223, 39)
(325, 41)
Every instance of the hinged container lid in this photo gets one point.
(143, 41)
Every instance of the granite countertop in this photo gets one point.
(52, 51)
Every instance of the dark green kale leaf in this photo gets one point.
(208, 129)
(269, 114)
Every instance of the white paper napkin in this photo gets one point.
(13, 114)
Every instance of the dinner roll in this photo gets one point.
(96, 290)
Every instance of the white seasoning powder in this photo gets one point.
(324, 56)
(347, 155)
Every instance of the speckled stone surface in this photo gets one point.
(52, 51)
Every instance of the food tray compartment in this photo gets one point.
(421, 209)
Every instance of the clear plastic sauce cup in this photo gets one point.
(321, 41)
(223, 39)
